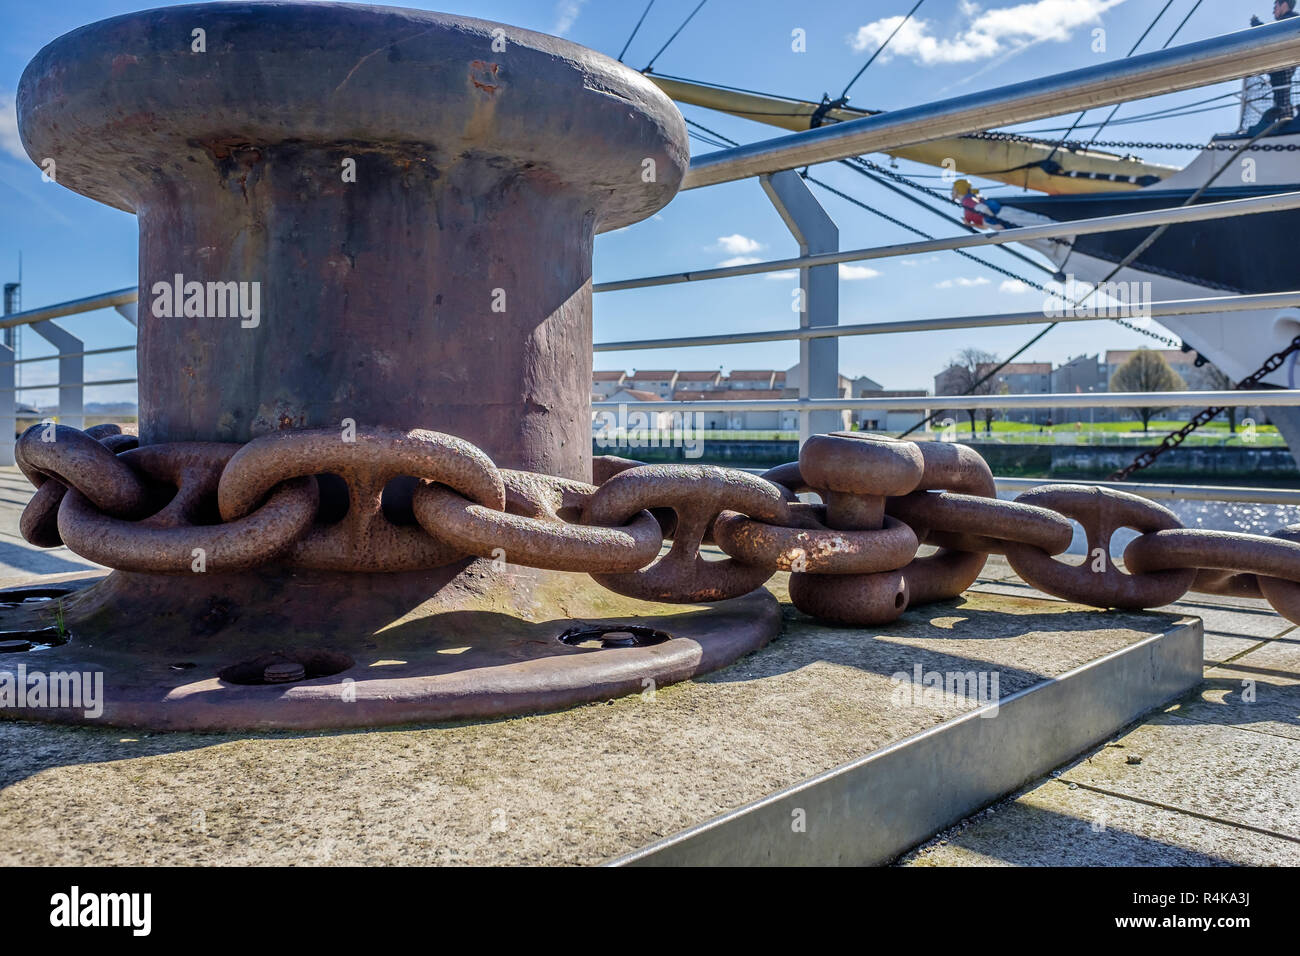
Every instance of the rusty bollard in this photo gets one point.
(377, 218)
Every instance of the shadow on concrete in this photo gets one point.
(1240, 705)
(948, 636)
(23, 559)
(1028, 835)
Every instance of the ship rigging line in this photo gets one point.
(844, 97)
(688, 19)
(1115, 109)
(861, 167)
(623, 52)
(1195, 7)
(1078, 119)
(922, 233)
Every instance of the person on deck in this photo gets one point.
(1281, 80)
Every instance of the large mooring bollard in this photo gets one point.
(355, 223)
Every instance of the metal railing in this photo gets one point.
(1219, 59)
(70, 354)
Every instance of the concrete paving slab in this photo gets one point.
(1229, 630)
(580, 786)
(1232, 775)
(997, 568)
(1277, 660)
(1255, 704)
(18, 559)
(1054, 825)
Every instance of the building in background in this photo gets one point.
(700, 381)
(660, 381)
(1082, 374)
(1021, 378)
(605, 384)
(632, 396)
(744, 385)
(884, 419)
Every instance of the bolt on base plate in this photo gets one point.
(290, 649)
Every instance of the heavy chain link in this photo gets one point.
(420, 499)
(1077, 146)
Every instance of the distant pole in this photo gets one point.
(13, 299)
(8, 392)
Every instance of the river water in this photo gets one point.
(1207, 515)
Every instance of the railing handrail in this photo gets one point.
(104, 300)
(1235, 303)
(1264, 398)
(1229, 57)
(1174, 215)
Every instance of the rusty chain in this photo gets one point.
(389, 500)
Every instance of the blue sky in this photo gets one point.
(72, 246)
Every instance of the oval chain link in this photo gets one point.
(1097, 581)
(535, 529)
(697, 494)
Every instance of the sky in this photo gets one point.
(72, 246)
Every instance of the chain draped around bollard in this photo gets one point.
(420, 499)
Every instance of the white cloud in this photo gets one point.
(1013, 287)
(738, 261)
(784, 274)
(9, 141)
(985, 33)
(739, 245)
(961, 282)
(566, 15)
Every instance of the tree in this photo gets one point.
(1146, 371)
(989, 414)
(964, 372)
(1210, 376)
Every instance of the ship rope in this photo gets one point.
(689, 17)
(623, 52)
(1133, 49)
(844, 97)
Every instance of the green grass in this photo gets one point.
(1082, 433)
(1113, 427)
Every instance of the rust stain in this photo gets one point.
(122, 61)
(488, 72)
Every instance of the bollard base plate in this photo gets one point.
(298, 650)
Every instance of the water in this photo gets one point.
(1203, 515)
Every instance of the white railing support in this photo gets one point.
(818, 302)
(72, 372)
(8, 406)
